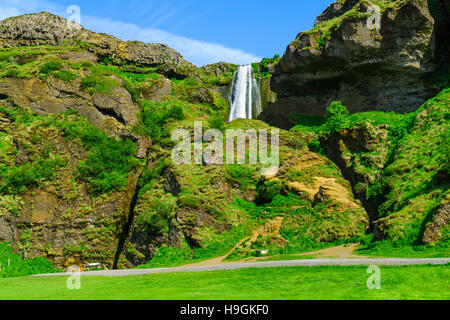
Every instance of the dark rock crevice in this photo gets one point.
(357, 140)
(112, 114)
(124, 235)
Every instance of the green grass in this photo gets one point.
(294, 283)
(105, 168)
(12, 265)
(405, 191)
(387, 249)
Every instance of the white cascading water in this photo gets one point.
(245, 98)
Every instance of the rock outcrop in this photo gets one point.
(441, 219)
(48, 29)
(400, 176)
(361, 153)
(58, 219)
(114, 112)
(346, 58)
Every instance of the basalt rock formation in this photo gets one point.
(347, 57)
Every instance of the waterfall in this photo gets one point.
(245, 98)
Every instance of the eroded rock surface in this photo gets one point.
(367, 69)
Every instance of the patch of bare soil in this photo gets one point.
(339, 252)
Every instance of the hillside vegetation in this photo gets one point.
(86, 173)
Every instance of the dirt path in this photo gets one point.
(272, 227)
(340, 252)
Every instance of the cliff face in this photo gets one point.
(191, 212)
(46, 208)
(341, 58)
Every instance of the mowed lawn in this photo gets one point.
(293, 283)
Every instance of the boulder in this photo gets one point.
(154, 90)
(118, 104)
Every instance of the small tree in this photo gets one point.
(337, 109)
(337, 116)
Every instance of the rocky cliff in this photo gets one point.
(347, 57)
(71, 132)
(86, 158)
(48, 29)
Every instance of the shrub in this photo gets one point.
(99, 83)
(268, 190)
(239, 174)
(336, 109)
(16, 179)
(19, 267)
(216, 123)
(154, 117)
(107, 164)
(49, 67)
(156, 219)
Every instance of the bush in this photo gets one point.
(268, 190)
(107, 164)
(336, 109)
(49, 67)
(240, 174)
(156, 219)
(21, 267)
(99, 83)
(217, 123)
(17, 179)
(154, 117)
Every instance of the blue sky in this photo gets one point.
(238, 31)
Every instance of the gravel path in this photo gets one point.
(265, 264)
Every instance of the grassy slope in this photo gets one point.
(414, 190)
(296, 283)
(406, 187)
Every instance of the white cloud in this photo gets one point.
(11, 8)
(195, 51)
